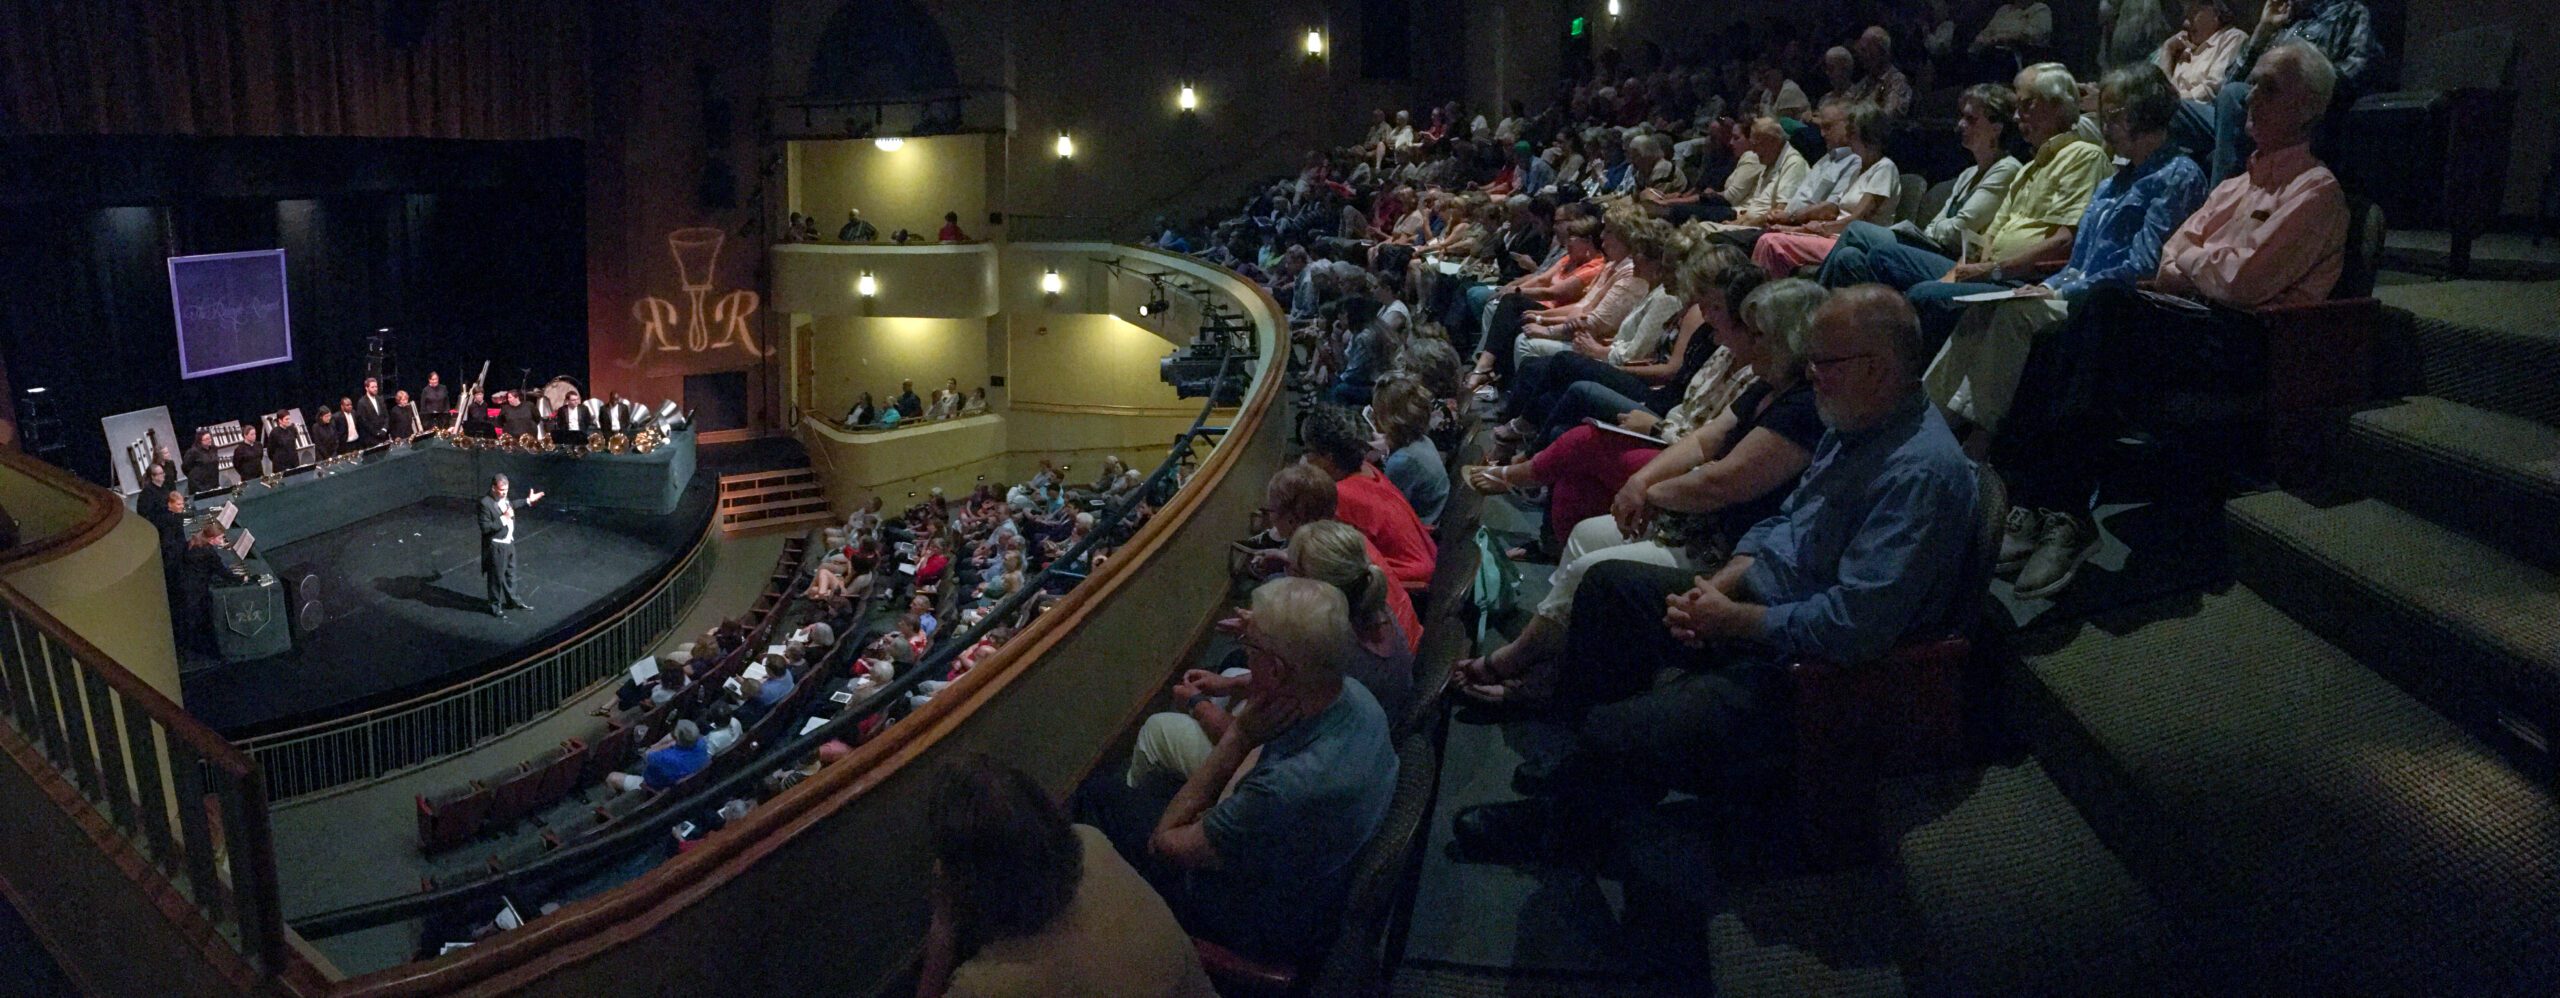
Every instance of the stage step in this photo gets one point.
(2014, 894)
(2491, 344)
(2490, 474)
(2460, 623)
(759, 501)
(2322, 831)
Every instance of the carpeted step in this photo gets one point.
(2491, 344)
(2321, 830)
(2015, 895)
(2457, 621)
(2493, 475)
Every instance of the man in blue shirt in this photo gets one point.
(1864, 553)
(662, 768)
(1265, 868)
(2129, 217)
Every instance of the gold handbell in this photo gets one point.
(619, 443)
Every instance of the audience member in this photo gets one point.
(1365, 499)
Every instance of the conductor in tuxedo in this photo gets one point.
(373, 414)
(498, 546)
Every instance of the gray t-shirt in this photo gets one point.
(1287, 836)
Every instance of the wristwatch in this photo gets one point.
(1998, 275)
(1194, 703)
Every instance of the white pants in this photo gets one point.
(1172, 744)
(1976, 374)
(1528, 346)
(1594, 541)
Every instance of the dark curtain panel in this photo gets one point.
(461, 274)
(479, 69)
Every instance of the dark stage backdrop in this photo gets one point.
(469, 251)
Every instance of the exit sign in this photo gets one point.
(1581, 25)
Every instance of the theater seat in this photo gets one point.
(452, 818)
(1855, 725)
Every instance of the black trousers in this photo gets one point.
(498, 568)
(1543, 381)
(2121, 351)
(1650, 713)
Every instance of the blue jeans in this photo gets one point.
(1898, 266)
(1848, 264)
(2216, 133)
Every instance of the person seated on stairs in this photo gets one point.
(1262, 864)
(2273, 235)
(1864, 552)
(1364, 498)
(1684, 507)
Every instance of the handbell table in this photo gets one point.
(253, 617)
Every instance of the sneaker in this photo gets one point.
(2062, 544)
(2018, 539)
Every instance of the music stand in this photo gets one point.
(240, 548)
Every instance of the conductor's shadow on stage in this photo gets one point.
(430, 590)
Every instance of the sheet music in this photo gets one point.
(229, 512)
(240, 548)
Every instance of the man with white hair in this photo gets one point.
(1883, 84)
(2340, 30)
(1866, 551)
(2274, 235)
(1263, 868)
(2031, 235)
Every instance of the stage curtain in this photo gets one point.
(463, 69)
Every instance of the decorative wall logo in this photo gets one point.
(697, 253)
(248, 619)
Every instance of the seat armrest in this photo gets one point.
(2320, 354)
(1236, 974)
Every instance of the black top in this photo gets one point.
(909, 406)
(204, 468)
(432, 400)
(492, 522)
(517, 419)
(249, 460)
(373, 418)
(1793, 417)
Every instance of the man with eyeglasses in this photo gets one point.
(1866, 551)
(2031, 235)
(2273, 235)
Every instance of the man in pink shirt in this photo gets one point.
(2274, 234)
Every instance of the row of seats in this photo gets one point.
(459, 815)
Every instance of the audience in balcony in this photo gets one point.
(1027, 904)
(1364, 498)
(1263, 868)
(1863, 553)
(951, 229)
(857, 229)
(2117, 243)
(662, 768)
(2274, 235)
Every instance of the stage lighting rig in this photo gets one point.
(1218, 361)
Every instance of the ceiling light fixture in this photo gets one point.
(889, 143)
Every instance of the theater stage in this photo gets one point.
(406, 611)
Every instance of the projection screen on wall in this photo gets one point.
(232, 311)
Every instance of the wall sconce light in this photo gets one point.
(1613, 9)
(865, 285)
(889, 143)
(1187, 100)
(1066, 146)
(1315, 43)
(1051, 284)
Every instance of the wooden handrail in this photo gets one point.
(589, 928)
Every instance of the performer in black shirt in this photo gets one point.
(249, 458)
(327, 436)
(404, 417)
(289, 445)
(434, 402)
(204, 464)
(498, 546)
(517, 416)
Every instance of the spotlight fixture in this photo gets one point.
(1187, 100)
(1051, 283)
(865, 285)
(1066, 146)
(1154, 305)
(1315, 43)
(1613, 8)
(889, 143)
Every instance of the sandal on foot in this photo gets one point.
(1489, 479)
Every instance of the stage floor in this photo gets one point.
(407, 612)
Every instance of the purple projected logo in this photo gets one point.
(232, 311)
